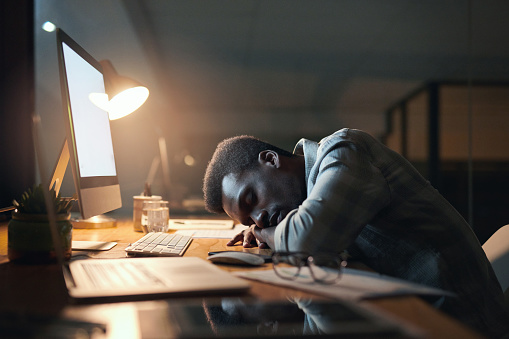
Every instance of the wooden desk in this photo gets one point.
(26, 289)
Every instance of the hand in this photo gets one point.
(250, 237)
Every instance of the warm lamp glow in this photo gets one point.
(100, 100)
(126, 102)
(189, 160)
(126, 94)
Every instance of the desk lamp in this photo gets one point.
(123, 95)
(126, 95)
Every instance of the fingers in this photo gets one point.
(238, 237)
(247, 238)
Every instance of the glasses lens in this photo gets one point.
(287, 265)
(325, 268)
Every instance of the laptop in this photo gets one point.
(138, 278)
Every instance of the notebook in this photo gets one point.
(134, 277)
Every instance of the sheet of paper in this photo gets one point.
(354, 284)
(92, 245)
(219, 234)
(194, 224)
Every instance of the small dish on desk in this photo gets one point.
(237, 258)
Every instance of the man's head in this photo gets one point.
(253, 181)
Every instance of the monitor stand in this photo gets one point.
(98, 221)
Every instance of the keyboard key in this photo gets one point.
(174, 241)
(158, 248)
(183, 241)
(166, 241)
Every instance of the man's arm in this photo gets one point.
(348, 192)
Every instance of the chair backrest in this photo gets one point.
(497, 251)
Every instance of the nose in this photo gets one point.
(260, 218)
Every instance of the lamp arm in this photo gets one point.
(60, 168)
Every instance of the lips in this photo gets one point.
(277, 217)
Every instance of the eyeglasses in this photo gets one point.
(323, 268)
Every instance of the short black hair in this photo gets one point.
(232, 155)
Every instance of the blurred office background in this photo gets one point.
(428, 78)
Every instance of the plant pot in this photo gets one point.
(30, 241)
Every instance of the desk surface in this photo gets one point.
(35, 289)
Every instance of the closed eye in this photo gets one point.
(251, 198)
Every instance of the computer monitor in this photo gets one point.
(88, 145)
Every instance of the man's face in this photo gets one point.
(263, 196)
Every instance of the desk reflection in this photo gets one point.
(251, 318)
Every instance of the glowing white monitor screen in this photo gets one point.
(91, 124)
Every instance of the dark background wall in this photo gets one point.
(17, 165)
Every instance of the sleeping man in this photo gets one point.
(351, 193)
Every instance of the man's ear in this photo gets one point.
(270, 158)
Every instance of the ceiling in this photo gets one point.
(338, 57)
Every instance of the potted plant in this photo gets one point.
(29, 233)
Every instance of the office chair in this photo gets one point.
(497, 251)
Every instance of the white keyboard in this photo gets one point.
(160, 244)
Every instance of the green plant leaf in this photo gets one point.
(32, 201)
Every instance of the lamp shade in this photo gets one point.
(125, 94)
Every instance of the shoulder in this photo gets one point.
(354, 138)
(348, 134)
(345, 137)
